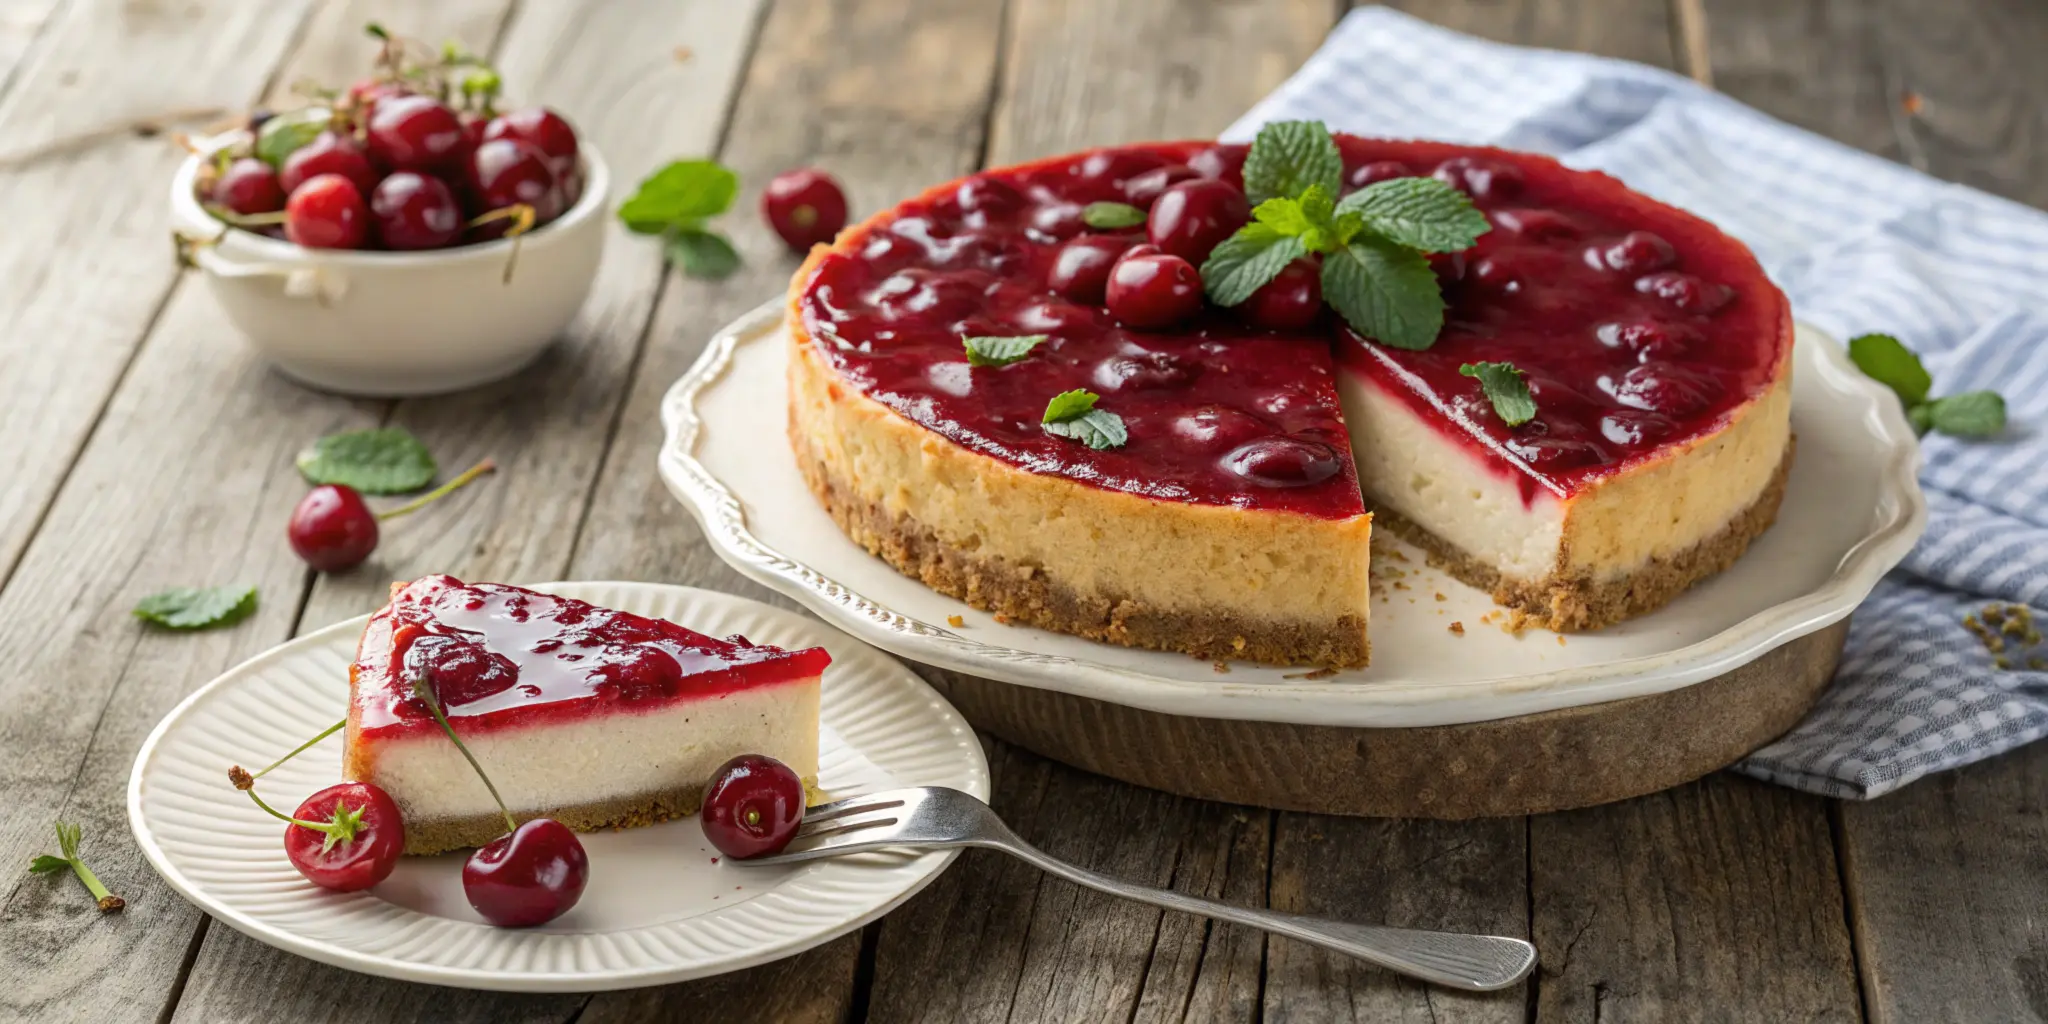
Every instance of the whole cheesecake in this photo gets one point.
(1236, 518)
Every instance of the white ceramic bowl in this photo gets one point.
(391, 324)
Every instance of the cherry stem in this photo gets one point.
(521, 216)
(330, 828)
(425, 691)
(302, 748)
(247, 220)
(440, 492)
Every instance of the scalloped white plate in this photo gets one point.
(658, 908)
(1851, 512)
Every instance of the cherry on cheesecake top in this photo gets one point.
(1636, 324)
(500, 655)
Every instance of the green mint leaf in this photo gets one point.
(1420, 213)
(286, 132)
(702, 253)
(1096, 428)
(1387, 292)
(1289, 156)
(1245, 261)
(1970, 414)
(1890, 363)
(1111, 216)
(1921, 417)
(197, 607)
(679, 196)
(1068, 405)
(385, 460)
(1506, 389)
(47, 864)
(999, 351)
(1284, 215)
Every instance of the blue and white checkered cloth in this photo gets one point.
(1860, 244)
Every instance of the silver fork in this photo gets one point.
(936, 817)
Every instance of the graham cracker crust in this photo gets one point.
(1022, 594)
(1575, 603)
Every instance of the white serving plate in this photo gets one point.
(657, 909)
(1852, 510)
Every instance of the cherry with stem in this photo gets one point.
(361, 833)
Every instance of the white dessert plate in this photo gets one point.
(658, 908)
(1852, 510)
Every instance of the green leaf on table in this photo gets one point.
(1889, 362)
(1970, 414)
(197, 607)
(1107, 216)
(1244, 262)
(982, 351)
(286, 132)
(1288, 156)
(1506, 389)
(702, 253)
(1385, 291)
(1420, 213)
(381, 460)
(680, 196)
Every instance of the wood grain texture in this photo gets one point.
(1968, 80)
(1813, 63)
(1639, 30)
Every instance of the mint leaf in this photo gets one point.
(1111, 216)
(1970, 414)
(1068, 405)
(1284, 215)
(197, 607)
(702, 253)
(680, 196)
(1921, 417)
(1096, 428)
(1387, 293)
(286, 132)
(999, 351)
(1289, 156)
(47, 864)
(1506, 389)
(386, 460)
(1889, 362)
(1244, 262)
(1421, 213)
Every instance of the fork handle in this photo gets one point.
(1477, 963)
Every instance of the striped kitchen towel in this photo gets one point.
(1860, 244)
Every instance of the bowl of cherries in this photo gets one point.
(407, 235)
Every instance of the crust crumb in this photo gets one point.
(1457, 628)
(955, 621)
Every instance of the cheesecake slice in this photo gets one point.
(593, 717)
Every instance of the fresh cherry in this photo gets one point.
(364, 96)
(1080, 270)
(541, 128)
(415, 211)
(249, 186)
(1148, 290)
(506, 172)
(1290, 301)
(328, 153)
(413, 133)
(529, 876)
(1190, 218)
(806, 207)
(752, 806)
(332, 529)
(363, 837)
(327, 212)
(1146, 188)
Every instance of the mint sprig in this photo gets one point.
(1885, 359)
(1506, 389)
(192, 608)
(1072, 414)
(1374, 242)
(993, 351)
(675, 202)
(1108, 216)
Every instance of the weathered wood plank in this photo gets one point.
(1814, 63)
(1638, 30)
(1967, 82)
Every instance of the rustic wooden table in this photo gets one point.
(143, 446)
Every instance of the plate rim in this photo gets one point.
(1901, 508)
(931, 865)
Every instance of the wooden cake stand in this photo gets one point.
(1550, 761)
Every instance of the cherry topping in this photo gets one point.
(1556, 452)
(1103, 173)
(1215, 427)
(1146, 188)
(530, 876)
(1538, 225)
(328, 153)
(806, 207)
(414, 133)
(1056, 221)
(1630, 429)
(1148, 290)
(539, 127)
(982, 199)
(1190, 218)
(1221, 161)
(1377, 171)
(752, 806)
(1080, 271)
(1283, 462)
(1638, 252)
(415, 211)
(1648, 339)
(1664, 387)
(332, 529)
(1478, 177)
(1288, 302)
(249, 186)
(364, 837)
(1142, 370)
(462, 670)
(1689, 293)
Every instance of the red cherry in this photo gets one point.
(752, 806)
(363, 96)
(1188, 219)
(413, 133)
(1290, 301)
(328, 153)
(375, 837)
(529, 876)
(327, 212)
(1224, 161)
(1153, 290)
(415, 211)
(1689, 293)
(1638, 252)
(541, 128)
(504, 172)
(1377, 171)
(332, 529)
(1146, 188)
(249, 186)
(1479, 177)
(1080, 271)
(806, 207)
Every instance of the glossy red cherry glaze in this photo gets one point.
(1629, 344)
(501, 656)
